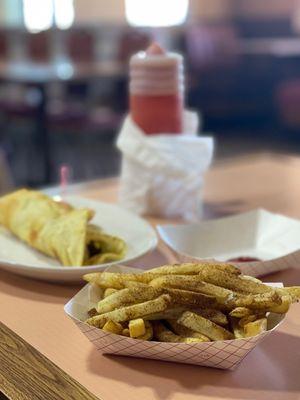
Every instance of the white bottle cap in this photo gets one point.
(156, 72)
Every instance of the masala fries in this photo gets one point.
(163, 334)
(126, 297)
(117, 280)
(204, 326)
(194, 283)
(256, 327)
(137, 327)
(186, 332)
(186, 303)
(132, 312)
(192, 269)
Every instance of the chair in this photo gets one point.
(287, 98)
(210, 46)
(81, 46)
(132, 41)
(38, 46)
(6, 180)
(20, 100)
(3, 44)
(214, 66)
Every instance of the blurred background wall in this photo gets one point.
(97, 11)
(63, 78)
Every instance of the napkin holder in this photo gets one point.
(162, 175)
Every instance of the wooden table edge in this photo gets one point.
(19, 360)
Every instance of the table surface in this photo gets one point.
(34, 311)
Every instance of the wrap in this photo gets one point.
(58, 230)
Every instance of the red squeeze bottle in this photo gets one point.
(157, 90)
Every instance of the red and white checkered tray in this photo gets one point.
(273, 238)
(225, 354)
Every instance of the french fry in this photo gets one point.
(220, 268)
(240, 312)
(136, 327)
(134, 311)
(186, 332)
(148, 335)
(178, 296)
(125, 332)
(256, 327)
(249, 318)
(225, 297)
(196, 284)
(204, 326)
(265, 301)
(237, 330)
(193, 269)
(117, 280)
(293, 291)
(251, 278)
(190, 340)
(117, 299)
(213, 315)
(163, 334)
(135, 284)
(232, 282)
(125, 297)
(92, 312)
(189, 298)
(113, 327)
(170, 313)
(109, 291)
(286, 301)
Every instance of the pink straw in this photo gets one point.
(64, 173)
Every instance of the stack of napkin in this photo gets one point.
(162, 175)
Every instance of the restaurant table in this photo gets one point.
(43, 355)
(39, 75)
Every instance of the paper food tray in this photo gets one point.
(225, 354)
(273, 238)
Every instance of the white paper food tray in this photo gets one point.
(225, 354)
(273, 238)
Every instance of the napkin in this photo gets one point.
(162, 175)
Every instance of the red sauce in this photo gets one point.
(157, 114)
(244, 259)
(157, 91)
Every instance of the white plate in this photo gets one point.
(19, 258)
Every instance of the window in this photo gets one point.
(156, 12)
(63, 13)
(40, 15)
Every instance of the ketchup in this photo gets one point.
(244, 259)
(156, 91)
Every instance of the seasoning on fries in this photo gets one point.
(186, 303)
